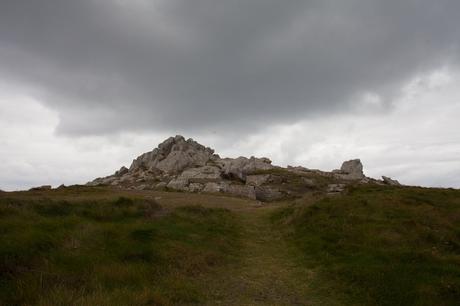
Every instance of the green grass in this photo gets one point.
(375, 245)
(121, 251)
(380, 245)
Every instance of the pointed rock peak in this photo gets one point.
(174, 155)
(178, 143)
(167, 143)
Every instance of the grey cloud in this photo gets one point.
(198, 65)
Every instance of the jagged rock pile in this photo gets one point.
(173, 156)
(186, 165)
(189, 166)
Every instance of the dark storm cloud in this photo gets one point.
(119, 65)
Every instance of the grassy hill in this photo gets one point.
(380, 245)
(100, 246)
(104, 251)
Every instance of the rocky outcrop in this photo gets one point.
(351, 170)
(303, 170)
(203, 174)
(390, 181)
(240, 167)
(123, 170)
(185, 165)
(241, 190)
(267, 193)
(174, 155)
(257, 180)
(214, 187)
(178, 184)
(194, 179)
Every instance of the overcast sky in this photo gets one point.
(88, 85)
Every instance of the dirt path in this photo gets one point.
(266, 274)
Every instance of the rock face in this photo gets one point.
(240, 167)
(265, 193)
(351, 170)
(241, 190)
(213, 187)
(185, 165)
(257, 180)
(203, 174)
(123, 170)
(174, 155)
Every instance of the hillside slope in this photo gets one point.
(372, 245)
(380, 245)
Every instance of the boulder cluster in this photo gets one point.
(185, 165)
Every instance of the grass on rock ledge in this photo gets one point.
(380, 245)
(122, 251)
